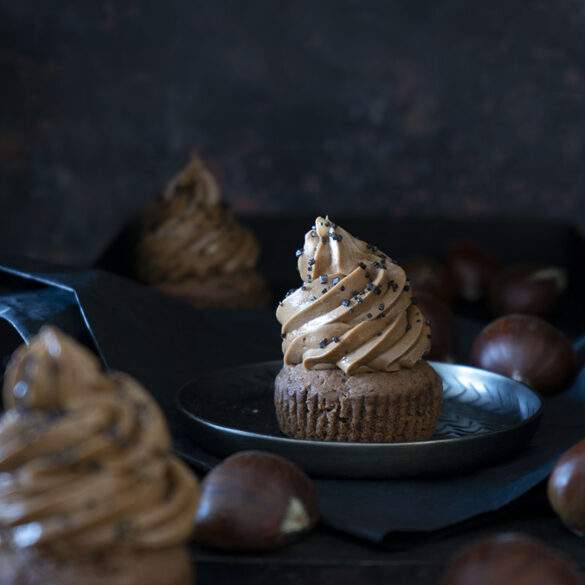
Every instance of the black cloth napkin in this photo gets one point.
(164, 344)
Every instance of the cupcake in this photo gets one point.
(192, 247)
(89, 489)
(353, 343)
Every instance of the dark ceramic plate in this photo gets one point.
(485, 417)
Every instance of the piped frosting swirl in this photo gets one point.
(189, 233)
(85, 457)
(354, 310)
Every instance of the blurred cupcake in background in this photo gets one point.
(192, 247)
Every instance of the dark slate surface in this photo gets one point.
(399, 108)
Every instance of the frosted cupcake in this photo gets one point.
(192, 247)
(353, 343)
(89, 491)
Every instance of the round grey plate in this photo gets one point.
(485, 417)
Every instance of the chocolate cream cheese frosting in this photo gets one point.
(354, 310)
(189, 233)
(85, 457)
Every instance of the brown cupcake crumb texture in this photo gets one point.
(328, 405)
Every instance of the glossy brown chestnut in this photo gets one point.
(426, 274)
(510, 558)
(254, 501)
(566, 486)
(473, 267)
(528, 289)
(528, 349)
(444, 331)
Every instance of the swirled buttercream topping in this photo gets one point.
(354, 310)
(188, 232)
(85, 457)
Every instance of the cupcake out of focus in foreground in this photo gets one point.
(192, 247)
(90, 491)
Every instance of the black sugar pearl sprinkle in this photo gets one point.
(377, 290)
(427, 322)
(309, 278)
(289, 292)
(323, 279)
(280, 303)
(283, 335)
(377, 265)
(380, 316)
(379, 334)
(324, 239)
(335, 339)
(359, 300)
(303, 287)
(406, 288)
(313, 298)
(346, 352)
(354, 293)
(381, 306)
(311, 261)
(299, 252)
(323, 343)
(345, 302)
(335, 280)
(350, 311)
(414, 300)
(369, 315)
(342, 287)
(313, 234)
(323, 291)
(367, 275)
(327, 224)
(408, 326)
(369, 286)
(418, 320)
(362, 265)
(395, 287)
(428, 336)
(339, 237)
(313, 227)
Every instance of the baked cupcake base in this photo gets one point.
(328, 405)
(242, 290)
(170, 566)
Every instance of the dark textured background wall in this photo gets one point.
(432, 107)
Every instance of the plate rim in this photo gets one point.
(318, 444)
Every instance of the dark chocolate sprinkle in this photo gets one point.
(323, 279)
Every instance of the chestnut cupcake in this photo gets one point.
(192, 247)
(353, 344)
(90, 492)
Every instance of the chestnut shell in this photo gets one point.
(473, 267)
(510, 558)
(527, 349)
(528, 288)
(444, 330)
(566, 486)
(428, 275)
(254, 501)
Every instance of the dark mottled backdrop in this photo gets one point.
(433, 107)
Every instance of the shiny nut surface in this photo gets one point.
(510, 558)
(566, 488)
(255, 501)
(527, 349)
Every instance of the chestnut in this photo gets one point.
(426, 274)
(530, 289)
(473, 267)
(444, 330)
(254, 501)
(527, 349)
(510, 558)
(566, 486)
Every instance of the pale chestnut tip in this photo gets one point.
(322, 226)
